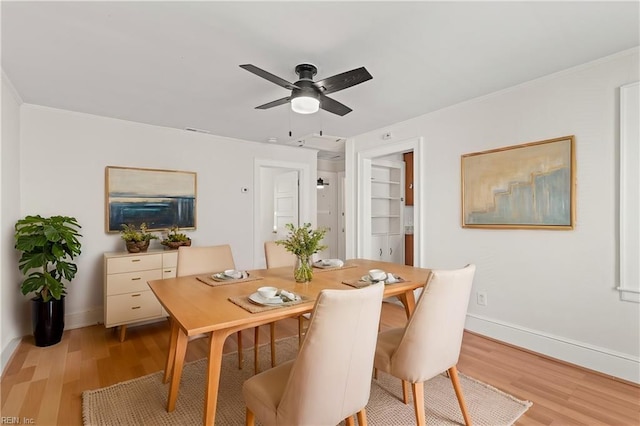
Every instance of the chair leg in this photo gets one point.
(256, 345)
(300, 326)
(272, 329)
(240, 356)
(405, 392)
(250, 419)
(349, 421)
(453, 373)
(418, 403)
(362, 417)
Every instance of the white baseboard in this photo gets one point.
(84, 319)
(7, 353)
(606, 361)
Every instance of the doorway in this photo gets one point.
(282, 195)
(359, 235)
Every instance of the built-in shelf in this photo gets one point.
(387, 225)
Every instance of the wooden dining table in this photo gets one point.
(195, 307)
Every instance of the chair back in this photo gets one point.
(200, 260)
(330, 379)
(433, 335)
(277, 256)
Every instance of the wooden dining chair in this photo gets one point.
(207, 259)
(430, 342)
(330, 379)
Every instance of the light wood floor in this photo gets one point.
(45, 384)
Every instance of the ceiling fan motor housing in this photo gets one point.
(306, 71)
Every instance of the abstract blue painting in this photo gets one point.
(523, 186)
(160, 198)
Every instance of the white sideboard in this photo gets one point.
(127, 296)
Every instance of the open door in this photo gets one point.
(285, 202)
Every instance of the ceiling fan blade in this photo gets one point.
(331, 105)
(343, 81)
(268, 76)
(275, 103)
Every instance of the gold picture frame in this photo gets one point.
(527, 186)
(159, 198)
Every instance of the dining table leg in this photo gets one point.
(171, 354)
(213, 376)
(409, 301)
(176, 371)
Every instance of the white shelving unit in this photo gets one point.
(387, 201)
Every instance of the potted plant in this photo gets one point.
(303, 242)
(175, 239)
(48, 246)
(137, 240)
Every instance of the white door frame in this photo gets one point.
(306, 204)
(360, 217)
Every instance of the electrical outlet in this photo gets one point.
(482, 298)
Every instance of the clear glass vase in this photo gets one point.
(303, 270)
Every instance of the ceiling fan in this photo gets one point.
(308, 95)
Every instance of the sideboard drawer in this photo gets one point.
(117, 265)
(131, 281)
(168, 273)
(136, 306)
(170, 259)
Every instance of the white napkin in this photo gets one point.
(391, 278)
(232, 273)
(288, 295)
(333, 263)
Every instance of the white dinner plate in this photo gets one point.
(329, 263)
(222, 276)
(368, 279)
(270, 301)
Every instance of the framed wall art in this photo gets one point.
(529, 186)
(159, 198)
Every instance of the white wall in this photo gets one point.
(63, 158)
(549, 291)
(14, 307)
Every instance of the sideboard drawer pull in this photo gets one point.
(135, 260)
(135, 279)
(135, 307)
(135, 295)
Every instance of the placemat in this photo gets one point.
(247, 305)
(210, 281)
(332, 268)
(361, 283)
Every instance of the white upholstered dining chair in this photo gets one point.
(277, 256)
(430, 343)
(330, 379)
(202, 260)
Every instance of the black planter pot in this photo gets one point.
(47, 319)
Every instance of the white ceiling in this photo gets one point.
(175, 64)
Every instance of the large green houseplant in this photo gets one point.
(48, 246)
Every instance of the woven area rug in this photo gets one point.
(142, 401)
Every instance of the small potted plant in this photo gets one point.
(48, 245)
(137, 240)
(303, 242)
(175, 239)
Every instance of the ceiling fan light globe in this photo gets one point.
(305, 105)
